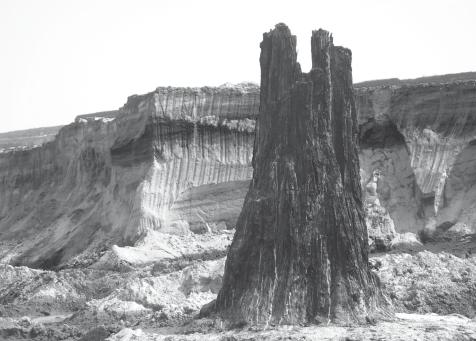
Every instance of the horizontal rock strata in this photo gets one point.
(107, 180)
(179, 159)
(417, 134)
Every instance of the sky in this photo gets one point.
(62, 58)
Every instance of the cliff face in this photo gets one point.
(107, 180)
(420, 137)
(178, 160)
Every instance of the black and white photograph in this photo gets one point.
(180, 170)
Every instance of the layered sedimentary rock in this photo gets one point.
(107, 180)
(420, 137)
(300, 252)
(179, 159)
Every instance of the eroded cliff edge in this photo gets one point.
(178, 161)
(175, 160)
(421, 138)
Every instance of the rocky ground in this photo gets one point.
(404, 327)
(431, 286)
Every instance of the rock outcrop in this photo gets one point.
(300, 252)
(178, 160)
(420, 137)
(109, 180)
(380, 226)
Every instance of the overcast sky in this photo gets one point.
(64, 58)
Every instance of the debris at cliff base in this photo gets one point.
(163, 298)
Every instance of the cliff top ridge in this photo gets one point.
(461, 77)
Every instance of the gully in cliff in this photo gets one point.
(300, 252)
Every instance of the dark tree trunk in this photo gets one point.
(300, 252)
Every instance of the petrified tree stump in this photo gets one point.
(300, 252)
